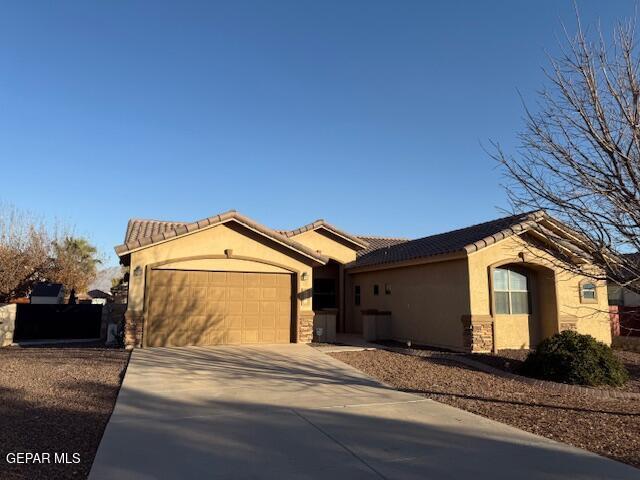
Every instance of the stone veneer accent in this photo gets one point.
(477, 333)
(7, 323)
(133, 327)
(305, 327)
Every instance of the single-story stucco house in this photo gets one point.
(228, 280)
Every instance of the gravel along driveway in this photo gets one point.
(607, 427)
(511, 361)
(56, 400)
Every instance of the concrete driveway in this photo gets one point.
(289, 411)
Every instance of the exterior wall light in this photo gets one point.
(137, 271)
(304, 276)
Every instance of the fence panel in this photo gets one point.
(57, 322)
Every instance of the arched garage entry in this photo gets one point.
(218, 301)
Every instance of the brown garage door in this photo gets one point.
(217, 308)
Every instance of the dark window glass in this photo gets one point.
(387, 289)
(376, 289)
(357, 295)
(324, 293)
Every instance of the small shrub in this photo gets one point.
(570, 357)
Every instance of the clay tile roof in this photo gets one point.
(376, 243)
(467, 240)
(138, 228)
(320, 223)
(141, 233)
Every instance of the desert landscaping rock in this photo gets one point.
(608, 427)
(56, 400)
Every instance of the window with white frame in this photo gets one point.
(511, 292)
(588, 292)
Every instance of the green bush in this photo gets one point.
(570, 357)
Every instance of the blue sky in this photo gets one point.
(369, 114)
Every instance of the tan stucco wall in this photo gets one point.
(592, 319)
(318, 240)
(214, 241)
(426, 301)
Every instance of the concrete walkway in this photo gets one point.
(289, 411)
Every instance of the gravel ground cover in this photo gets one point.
(511, 360)
(607, 427)
(56, 400)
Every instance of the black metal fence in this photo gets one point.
(57, 322)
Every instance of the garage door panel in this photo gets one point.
(268, 336)
(283, 294)
(283, 308)
(252, 293)
(269, 293)
(234, 337)
(217, 278)
(283, 335)
(251, 322)
(198, 278)
(267, 322)
(251, 336)
(283, 321)
(235, 308)
(252, 280)
(236, 293)
(251, 308)
(212, 308)
(268, 308)
(234, 322)
(235, 279)
(217, 308)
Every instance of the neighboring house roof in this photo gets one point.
(376, 243)
(469, 239)
(161, 231)
(99, 294)
(43, 289)
(320, 223)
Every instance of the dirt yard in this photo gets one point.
(56, 400)
(607, 427)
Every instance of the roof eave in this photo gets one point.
(232, 215)
(441, 257)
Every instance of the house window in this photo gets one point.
(511, 292)
(387, 289)
(588, 292)
(356, 295)
(324, 293)
(376, 289)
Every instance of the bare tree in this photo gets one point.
(25, 253)
(579, 154)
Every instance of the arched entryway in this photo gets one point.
(523, 304)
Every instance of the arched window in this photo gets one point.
(511, 292)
